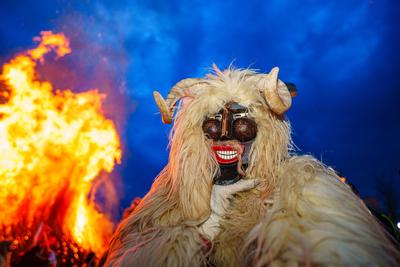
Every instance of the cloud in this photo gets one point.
(343, 56)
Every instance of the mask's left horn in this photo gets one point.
(167, 106)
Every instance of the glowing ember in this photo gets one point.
(52, 147)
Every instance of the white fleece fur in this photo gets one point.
(318, 221)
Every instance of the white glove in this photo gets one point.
(220, 199)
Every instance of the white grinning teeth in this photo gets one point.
(227, 154)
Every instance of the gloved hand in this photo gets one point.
(220, 199)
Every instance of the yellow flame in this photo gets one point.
(53, 144)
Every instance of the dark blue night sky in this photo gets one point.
(344, 57)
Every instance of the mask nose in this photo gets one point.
(226, 125)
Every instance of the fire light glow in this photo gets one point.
(53, 144)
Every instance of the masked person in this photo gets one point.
(234, 193)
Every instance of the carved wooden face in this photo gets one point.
(231, 129)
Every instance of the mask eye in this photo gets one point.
(244, 129)
(212, 128)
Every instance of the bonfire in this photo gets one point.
(54, 144)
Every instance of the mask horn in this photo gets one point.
(167, 106)
(276, 93)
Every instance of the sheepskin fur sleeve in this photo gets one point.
(317, 220)
(178, 246)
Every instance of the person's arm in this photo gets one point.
(220, 200)
(181, 245)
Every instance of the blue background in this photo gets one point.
(343, 56)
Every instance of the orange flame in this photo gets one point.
(52, 147)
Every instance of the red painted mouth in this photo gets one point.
(226, 154)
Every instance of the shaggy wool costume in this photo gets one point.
(300, 214)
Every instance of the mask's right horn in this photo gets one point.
(277, 94)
